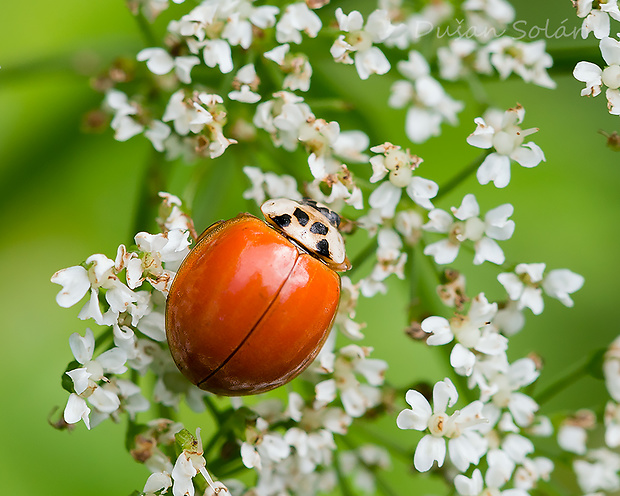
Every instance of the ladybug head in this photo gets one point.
(311, 225)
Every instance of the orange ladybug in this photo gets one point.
(253, 302)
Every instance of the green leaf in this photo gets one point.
(65, 380)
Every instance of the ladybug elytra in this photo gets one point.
(254, 301)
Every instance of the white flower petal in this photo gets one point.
(572, 438)
(589, 73)
(469, 487)
(105, 401)
(420, 190)
(469, 208)
(371, 61)
(487, 249)
(610, 49)
(75, 284)
(559, 283)
(529, 155)
(76, 410)
(439, 328)
(82, 347)
(429, 449)
(512, 284)
(462, 360)
(496, 169)
(444, 251)
(417, 417)
(444, 395)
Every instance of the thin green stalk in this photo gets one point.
(213, 409)
(462, 175)
(363, 255)
(563, 382)
(413, 283)
(152, 183)
(343, 483)
(380, 440)
(145, 30)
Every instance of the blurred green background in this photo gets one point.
(66, 195)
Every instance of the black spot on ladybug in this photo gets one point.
(334, 218)
(318, 228)
(322, 248)
(310, 202)
(283, 220)
(302, 216)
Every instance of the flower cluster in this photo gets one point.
(245, 81)
(597, 18)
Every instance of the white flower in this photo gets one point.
(465, 444)
(533, 470)
(189, 463)
(502, 388)
(596, 20)
(572, 438)
(269, 185)
(217, 53)
(526, 284)
(263, 447)
(473, 332)
(611, 369)
(349, 294)
(430, 104)
(475, 487)
(398, 165)
(487, 17)
(297, 17)
(184, 115)
(528, 60)
(595, 77)
(282, 117)
(160, 62)
(356, 397)
(101, 272)
(390, 260)
(157, 133)
(451, 58)
(506, 137)
(86, 378)
(469, 227)
(124, 125)
(360, 40)
(612, 424)
(509, 319)
(169, 248)
(297, 67)
(247, 80)
(598, 471)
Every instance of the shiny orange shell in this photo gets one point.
(248, 310)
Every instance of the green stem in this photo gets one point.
(145, 30)
(377, 438)
(463, 174)
(152, 183)
(562, 383)
(413, 284)
(213, 409)
(363, 255)
(343, 483)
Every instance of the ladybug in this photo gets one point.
(253, 302)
